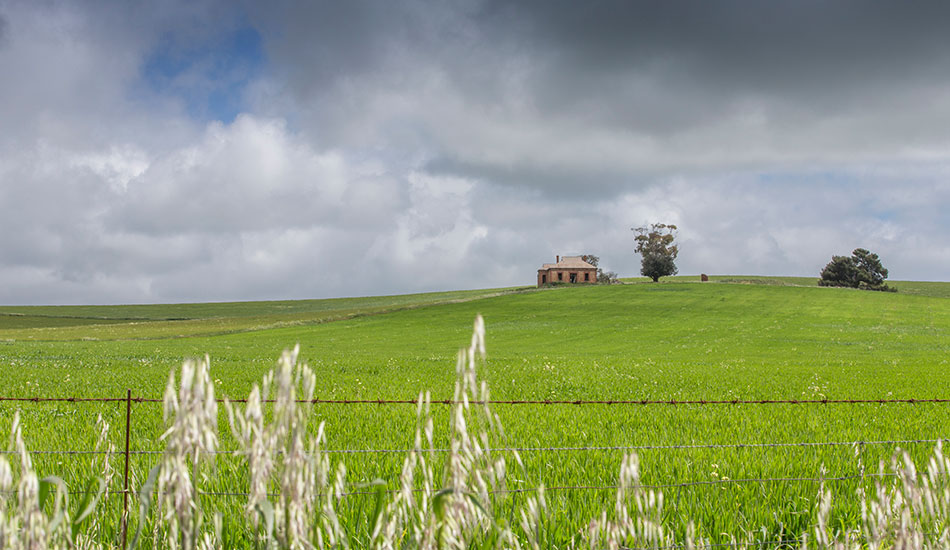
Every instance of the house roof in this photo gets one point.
(569, 262)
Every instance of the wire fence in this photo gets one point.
(737, 544)
(608, 487)
(614, 487)
(700, 546)
(823, 401)
(604, 448)
(127, 452)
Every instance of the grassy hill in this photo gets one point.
(736, 337)
(154, 321)
(159, 321)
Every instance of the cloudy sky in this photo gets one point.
(204, 151)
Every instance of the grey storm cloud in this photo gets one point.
(438, 145)
(620, 93)
(785, 48)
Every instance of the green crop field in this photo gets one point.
(748, 338)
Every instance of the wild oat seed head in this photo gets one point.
(6, 477)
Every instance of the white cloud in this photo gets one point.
(436, 230)
(410, 147)
(248, 175)
(118, 166)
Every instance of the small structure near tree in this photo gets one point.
(569, 269)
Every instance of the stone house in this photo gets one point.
(569, 269)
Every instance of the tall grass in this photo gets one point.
(294, 490)
(30, 519)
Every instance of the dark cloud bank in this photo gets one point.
(440, 145)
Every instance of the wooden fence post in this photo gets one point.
(125, 492)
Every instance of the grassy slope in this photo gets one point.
(933, 289)
(674, 324)
(633, 341)
(916, 288)
(155, 321)
(159, 321)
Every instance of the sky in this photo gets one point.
(209, 150)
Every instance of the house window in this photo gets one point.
(560, 276)
(587, 277)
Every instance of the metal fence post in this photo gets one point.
(125, 491)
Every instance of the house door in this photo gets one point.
(544, 279)
(573, 277)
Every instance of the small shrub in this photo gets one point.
(606, 277)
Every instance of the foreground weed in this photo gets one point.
(280, 452)
(463, 512)
(913, 511)
(641, 526)
(295, 493)
(191, 440)
(25, 524)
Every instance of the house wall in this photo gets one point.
(566, 275)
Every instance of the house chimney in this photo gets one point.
(557, 259)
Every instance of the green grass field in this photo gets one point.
(732, 338)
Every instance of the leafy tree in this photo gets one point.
(655, 245)
(862, 270)
(871, 273)
(840, 271)
(591, 259)
(603, 277)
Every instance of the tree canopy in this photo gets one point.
(655, 245)
(863, 269)
(591, 259)
(603, 277)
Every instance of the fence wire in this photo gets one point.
(126, 491)
(700, 546)
(615, 487)
(907, 401)
(723, 481)
(735, 446)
